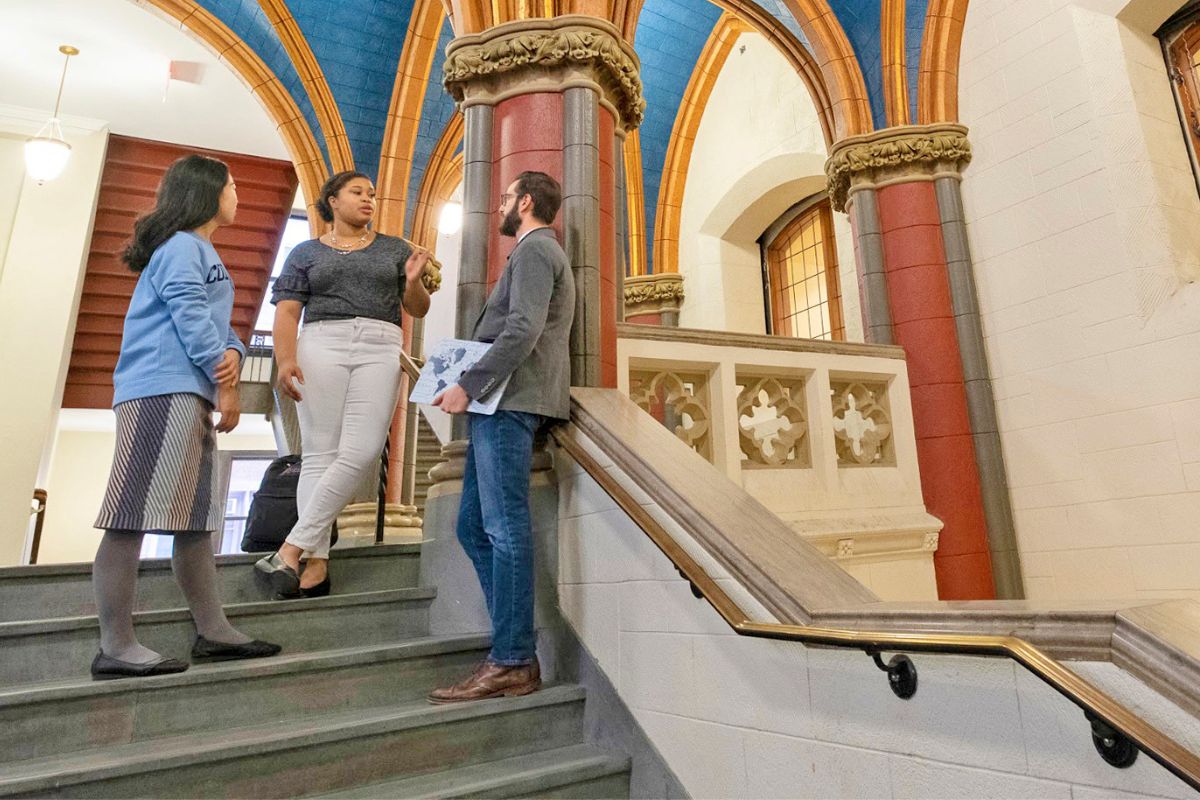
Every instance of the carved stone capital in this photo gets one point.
(896, 155)
(653, 294)
(539, 55)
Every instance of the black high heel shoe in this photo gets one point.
(282, 578)
(319, 590)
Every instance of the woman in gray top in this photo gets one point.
(343, 369)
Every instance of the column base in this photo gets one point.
(356, 524)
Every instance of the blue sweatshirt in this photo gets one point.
(177, 328)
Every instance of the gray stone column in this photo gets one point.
(581, 228)
(876, 310)
(981, 404)
(622, 223)
(479, 217)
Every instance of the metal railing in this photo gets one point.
(38, 510)
(1117, 732)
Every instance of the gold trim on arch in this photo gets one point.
(309, 70)
(831, 69)
(635, 203)
(404, 115)
(895, 62)
(297, 137)
(937, 84)
(683, 137)
(443, 173)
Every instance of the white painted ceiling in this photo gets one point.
(120, 75)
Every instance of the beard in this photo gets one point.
(510, 223)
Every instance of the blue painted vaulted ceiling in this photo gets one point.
(357, 44)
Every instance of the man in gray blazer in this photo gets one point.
(527, 319)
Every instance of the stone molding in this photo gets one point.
(653, 294)
(546, 55)
(896, 155)
(756, 341)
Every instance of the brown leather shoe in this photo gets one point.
(491, 680)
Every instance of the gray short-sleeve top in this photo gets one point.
(363, 283)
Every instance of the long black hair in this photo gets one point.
(331, 188)
(188, 196)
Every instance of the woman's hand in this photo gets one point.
(287, 371)
(414, 268)
(229, 371)
(229, 403)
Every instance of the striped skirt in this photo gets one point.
(162, 477)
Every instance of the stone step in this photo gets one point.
(582, 771)
(55, 719)
(62, 649)
(311, 756)
(47, 591)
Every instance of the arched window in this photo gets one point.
(1181, 43)
(800, 272)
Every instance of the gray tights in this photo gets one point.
(114, 577)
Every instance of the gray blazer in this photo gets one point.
(528, 319)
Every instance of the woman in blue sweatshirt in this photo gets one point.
(179, 358)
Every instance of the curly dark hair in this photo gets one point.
(331, 188)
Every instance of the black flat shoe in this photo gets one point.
(319, 590)
(283, 579)
(106, 668)
(208, 650)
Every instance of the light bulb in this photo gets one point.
(46, 158)
(451, 219)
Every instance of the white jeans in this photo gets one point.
(351, 385)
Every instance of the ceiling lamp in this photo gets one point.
(46, 153)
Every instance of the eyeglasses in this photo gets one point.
(504, 197)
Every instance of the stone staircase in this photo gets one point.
(340, 713)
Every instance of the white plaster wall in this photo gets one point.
(439, 322)
(121, 75)
(737, 717)
(39, 295)
(78, 474)
(758, 151)
(1085, 226)
(12, 176)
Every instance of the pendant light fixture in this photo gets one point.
(46, 154)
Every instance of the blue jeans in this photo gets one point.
(495, 531)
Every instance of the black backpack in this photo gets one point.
(273, 511)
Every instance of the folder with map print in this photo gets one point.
(450, 359)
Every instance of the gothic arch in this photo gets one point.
(404, 115)
(297, 136)
(315, 85)
(442, 175)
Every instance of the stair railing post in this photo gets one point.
(383, 482)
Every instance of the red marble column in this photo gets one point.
(923, 322)
(527, 134)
